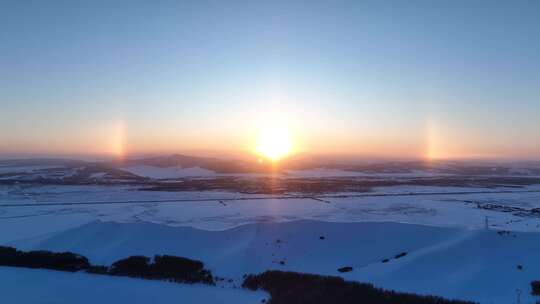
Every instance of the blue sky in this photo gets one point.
(386, 78)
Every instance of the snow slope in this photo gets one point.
(478, 265)
(31, 286)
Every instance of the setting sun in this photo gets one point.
(274, 143)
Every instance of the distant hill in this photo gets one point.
(184, 161)
(178, 166)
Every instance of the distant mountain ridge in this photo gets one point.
(184, 161)
(120, 169)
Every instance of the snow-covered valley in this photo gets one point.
(475, 243)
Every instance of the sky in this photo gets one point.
(435, 79)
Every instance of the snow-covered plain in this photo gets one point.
(450, 252)
(209, 210)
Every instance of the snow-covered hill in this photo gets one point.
(480, 265)
(31, 286)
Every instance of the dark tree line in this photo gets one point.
(284, 287)
(535, 288)
(64, 261)
(301, 288)
(163, 267)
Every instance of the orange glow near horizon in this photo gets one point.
(279, 136)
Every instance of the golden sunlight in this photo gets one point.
(118, 139)
(274, 143)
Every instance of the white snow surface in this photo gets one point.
(30, 286)
(435, 206)
(449, 251)
(98, 175)
(479, 265)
